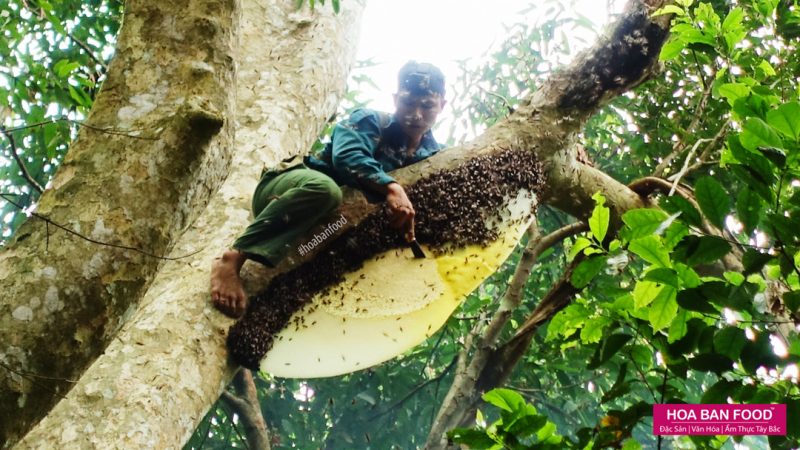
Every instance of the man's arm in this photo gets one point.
(354, 144)
(402, 210)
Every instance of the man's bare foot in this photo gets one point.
(226, 286)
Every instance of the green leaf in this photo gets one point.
(696, 300)
(706, 249)
(757, 133)
(674, 235)
(580, 244)
(749, 208)
(669, 9)
(691, 35)
(720, 391)
(672, 49)
(754, 260)
(767, 7)
(642, 356)
(505, 399)
(64, 67)
(631, 444)
(766, 70)
(645, 292)
(527, 425)
(679, 327)
(620, 387)
(593, 329)
(713, 200)
(792, 301)
(472, 438)
(734, 91)
(663, 275)
(786, 119)
(729, 342)
(734, 278)
(567, 321)
(598, 222)
(608, 348)
(687, 275)
(587, 270)
(732, 28)
(677, 204)
(643, 222)
(711, 362)
(664, 308)
(651, 250)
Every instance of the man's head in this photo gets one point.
(419, 98)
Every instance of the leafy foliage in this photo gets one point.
(54, 56)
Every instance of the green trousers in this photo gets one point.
(286, 205)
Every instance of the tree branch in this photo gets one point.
(88, 51)
(247, 406)
(93, 241)
(679, 146)
(20, 163)
(464, 390)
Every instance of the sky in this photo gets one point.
(440, 32)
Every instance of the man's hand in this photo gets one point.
(402, 212)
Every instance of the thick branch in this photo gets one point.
(463, 392)
(247, 406)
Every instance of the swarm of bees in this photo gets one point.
(453, 208)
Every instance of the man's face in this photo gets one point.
(417, 113)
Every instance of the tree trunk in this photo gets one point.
(168, 364)
(157, 146)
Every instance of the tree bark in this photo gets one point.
(156, 147)
(246, 405)
(168, 364)
(147, 389)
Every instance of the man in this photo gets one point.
(291, 200)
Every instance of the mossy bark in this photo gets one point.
(158, 145)
(168, 364)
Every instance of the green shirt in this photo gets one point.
(366, 146)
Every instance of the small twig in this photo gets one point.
(88, 50)
(686, 163)
(495, 94)
(93, 241)
(416, 389)
(236, 427)
(113, 131)
(642, 375)
(433, 352)
(33, 375)
(19, 161)
(663, 391)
